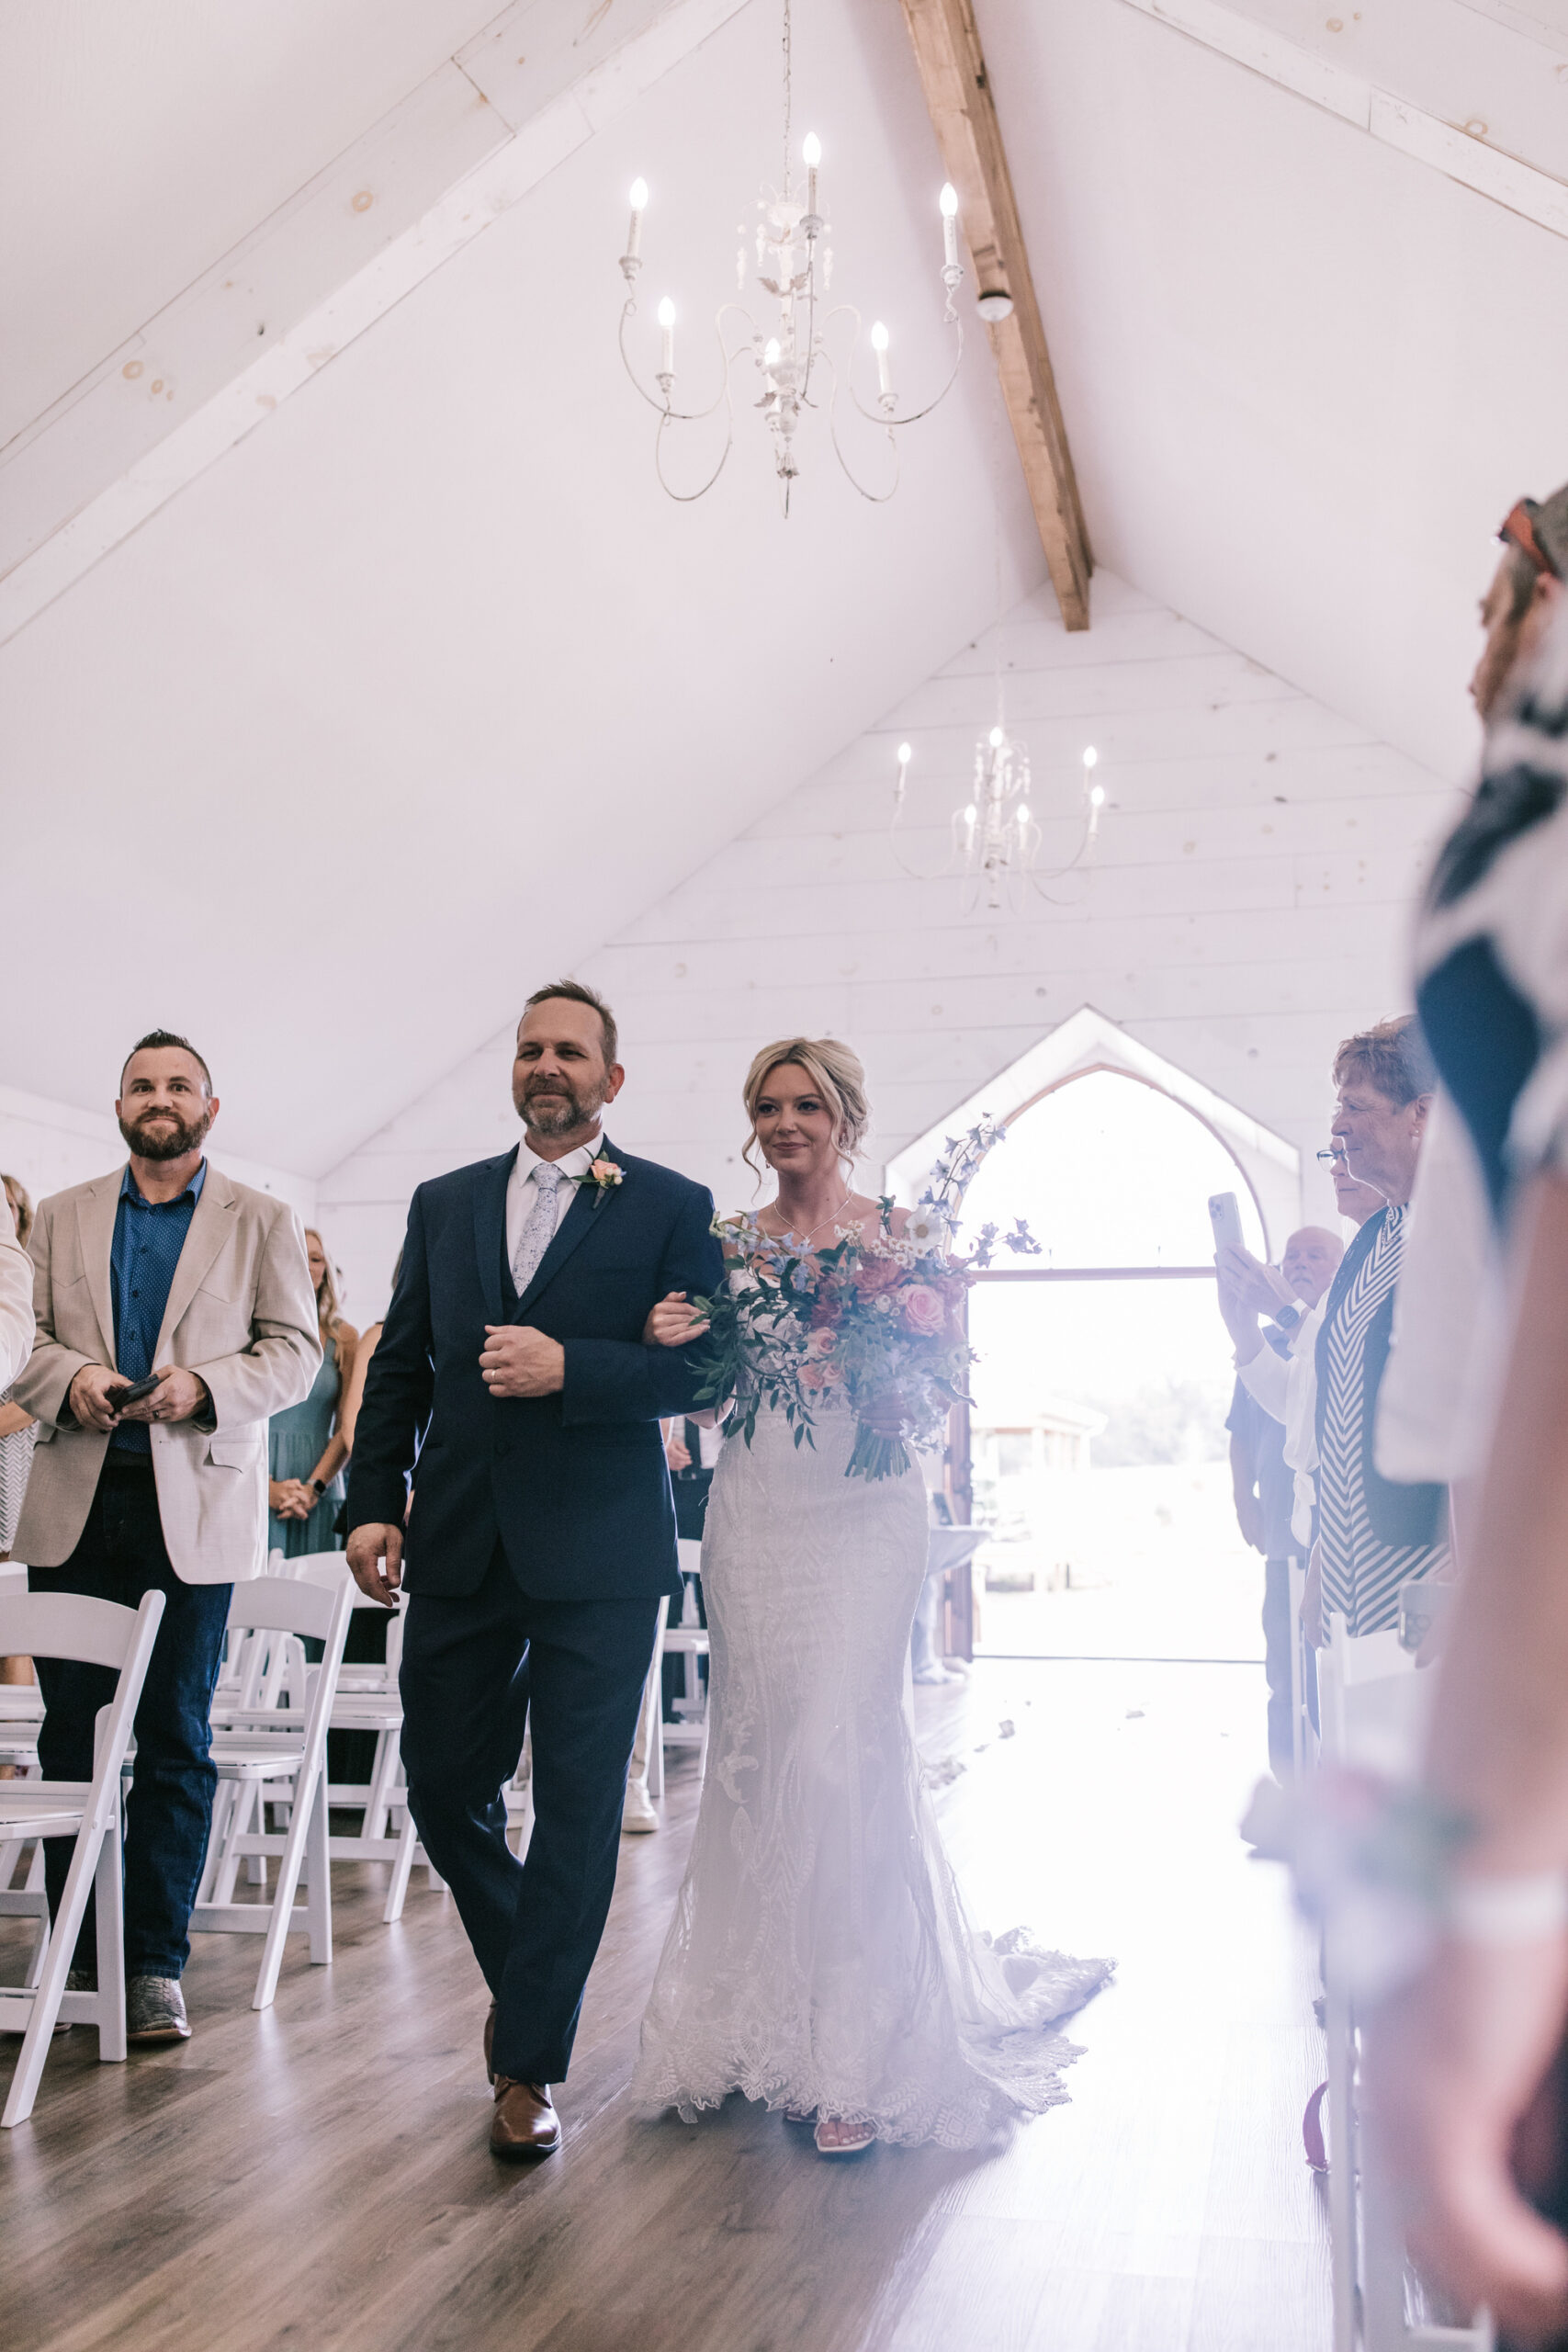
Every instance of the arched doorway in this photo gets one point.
(1095, 1449)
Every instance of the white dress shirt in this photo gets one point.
(521, 1190)
(1288, 1391)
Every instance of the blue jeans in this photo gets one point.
(120, 1555)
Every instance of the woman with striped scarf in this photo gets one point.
(1373, 1534)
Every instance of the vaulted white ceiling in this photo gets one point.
(424, 690)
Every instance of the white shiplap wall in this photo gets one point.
(50, 1146)
(1247, 906)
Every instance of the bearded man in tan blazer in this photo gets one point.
(168, 1275)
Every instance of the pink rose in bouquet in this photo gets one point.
(873, 1275)
(925, 1310)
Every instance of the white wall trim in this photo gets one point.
(53, 1145)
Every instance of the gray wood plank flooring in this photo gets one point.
(317, 2177)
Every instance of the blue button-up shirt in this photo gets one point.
(148, 1238)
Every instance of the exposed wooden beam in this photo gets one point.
(470, 141)
(958, 94)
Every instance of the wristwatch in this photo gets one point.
(1287, 1317)
(320, 1486)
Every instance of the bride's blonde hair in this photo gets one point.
(836, 1073)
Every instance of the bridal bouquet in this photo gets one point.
(876, 1322)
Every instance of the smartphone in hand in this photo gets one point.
(119, 1398)
(1225, 1216)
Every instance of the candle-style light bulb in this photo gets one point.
(811, 150)
(667, 320)
(883, 367)
(1097, 797)
(640, 205)
(996, 739)
(1023, 819)
(906, 754)
(948, 203)
(1090, 757)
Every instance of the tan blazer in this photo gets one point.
(16, 1299)
(241, 1313)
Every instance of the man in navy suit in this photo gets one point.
(542, 1534)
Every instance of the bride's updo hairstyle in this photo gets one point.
(836, 1073)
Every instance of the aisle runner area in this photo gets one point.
(317, 2175)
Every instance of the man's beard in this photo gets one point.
(560, 1108)
(166, 1141)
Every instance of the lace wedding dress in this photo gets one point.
(819, 1956)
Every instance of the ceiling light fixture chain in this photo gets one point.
(795, 267)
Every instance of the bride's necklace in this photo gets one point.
(789, 1232)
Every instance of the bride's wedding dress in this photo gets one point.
(819, 1956)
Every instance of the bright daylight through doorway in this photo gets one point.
(1099, 1451)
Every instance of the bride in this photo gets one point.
(820, 1957)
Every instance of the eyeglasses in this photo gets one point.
(1518, 530)
(1331, 1156)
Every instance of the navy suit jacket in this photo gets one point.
(574, 1486)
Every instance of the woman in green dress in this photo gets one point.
(306, 1447)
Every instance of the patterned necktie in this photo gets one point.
(539, 1231)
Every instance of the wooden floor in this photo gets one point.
(317, 2177)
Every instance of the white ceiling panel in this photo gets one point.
(427, 688)
(1304, 375)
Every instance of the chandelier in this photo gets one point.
(794, 370)
(995, 837)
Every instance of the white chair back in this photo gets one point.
(95, 1633)
(280, 1605)
(68, 1625)
(1373, 1702)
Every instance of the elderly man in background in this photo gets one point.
(1263, 1468)
(174, 1315)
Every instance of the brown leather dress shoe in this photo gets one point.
(490, 2043)
(525, 2123)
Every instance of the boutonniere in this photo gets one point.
(603, 1175)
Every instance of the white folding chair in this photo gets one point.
(688, 1640)
(21, 1719)
(96, 1632)
(1303, 1739)
(368, 1699)
(269, 1747)
(1373, 1707)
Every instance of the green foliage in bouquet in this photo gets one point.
(876, 1323)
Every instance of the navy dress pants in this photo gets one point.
(476, 1668)
(120, 1555)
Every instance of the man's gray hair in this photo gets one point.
(576, 993)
